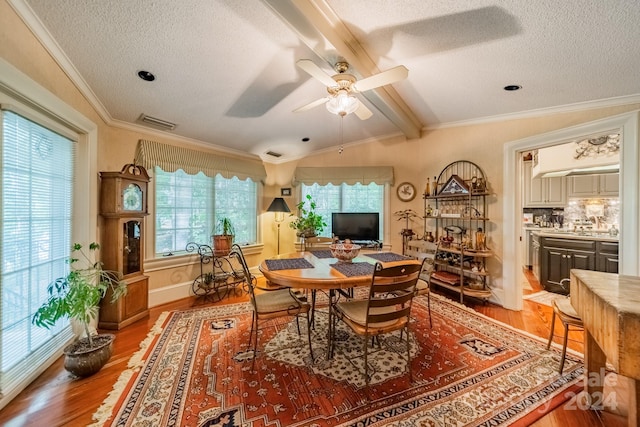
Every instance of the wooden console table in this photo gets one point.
(609, 306)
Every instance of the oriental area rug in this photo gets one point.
(195, 369)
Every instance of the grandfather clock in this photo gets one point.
(123, 205)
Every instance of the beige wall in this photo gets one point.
(413, 161)
(417, 160)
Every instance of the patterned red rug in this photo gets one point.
(468, 370)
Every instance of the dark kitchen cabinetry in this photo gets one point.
(607, 257)
(559, 256)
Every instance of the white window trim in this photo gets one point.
(18, 89)
(628, 123)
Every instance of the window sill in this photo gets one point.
(183, 259)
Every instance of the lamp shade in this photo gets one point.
(342, 104)
(278, 205)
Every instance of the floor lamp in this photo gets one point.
(279, 206)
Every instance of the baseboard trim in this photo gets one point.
(176, 292)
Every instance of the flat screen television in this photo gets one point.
(356, 226)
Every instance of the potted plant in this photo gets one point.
(223, 237)
(309, 223)
(77, 296)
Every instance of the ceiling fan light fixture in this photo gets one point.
(342, 104)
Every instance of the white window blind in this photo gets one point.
(188, 207)
(346, 198)
(37, 185)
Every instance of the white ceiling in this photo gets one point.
(226, 75)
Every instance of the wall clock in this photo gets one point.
(406, 192)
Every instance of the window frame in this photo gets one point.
(211, 219)
(384, 223)
(33, 101)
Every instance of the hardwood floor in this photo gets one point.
(57, 399)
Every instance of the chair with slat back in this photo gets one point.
(386, 310)
(317, 242)
(425, 251)
(271, 304)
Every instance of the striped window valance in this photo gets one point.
(343, 175)
(171, 158)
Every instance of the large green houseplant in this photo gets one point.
(77, 296)
(308, 223)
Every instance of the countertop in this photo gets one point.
(609, 305)
(598, 237)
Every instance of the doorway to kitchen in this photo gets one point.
(627, 126)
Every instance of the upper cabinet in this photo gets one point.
(543, 192)
(586, 186)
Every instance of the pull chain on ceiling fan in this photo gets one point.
(343, 86)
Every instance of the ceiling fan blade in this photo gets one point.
(384, 78)
(362, 112)
(316, 72)
(311, 105)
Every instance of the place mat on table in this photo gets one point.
(388, 257)
(287, 264)
(322, 253)
(351, 269)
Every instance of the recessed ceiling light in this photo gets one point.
(305, 139)
(146, 75)
(511, 88)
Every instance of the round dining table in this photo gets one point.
(315, 272)
(319, 276)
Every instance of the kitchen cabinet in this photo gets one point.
(535, 256)
(586, 186)
(527, 247)
(542, 192)
(559, 256)
(607, 257)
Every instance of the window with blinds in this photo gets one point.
(37, 181)
(346, 198)
(188, 207)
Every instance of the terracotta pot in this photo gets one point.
(83, 361)
(222, 244)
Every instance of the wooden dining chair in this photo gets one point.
(563, 309)
(386, 310)
(271, 304)
(424, 251)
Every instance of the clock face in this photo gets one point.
(406, 191)
(132, 198)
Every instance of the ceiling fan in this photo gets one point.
(343, 86)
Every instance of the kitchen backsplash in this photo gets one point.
(603, 213)
(544, 217)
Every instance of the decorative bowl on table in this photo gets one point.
(344, 252)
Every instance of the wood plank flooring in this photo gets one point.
(57, 399)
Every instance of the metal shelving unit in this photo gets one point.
(458, 215)
(217, 275)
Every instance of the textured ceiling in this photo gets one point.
(226, 71)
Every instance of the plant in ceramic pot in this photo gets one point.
(308, 223)
(77, 296)
(223, 237)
